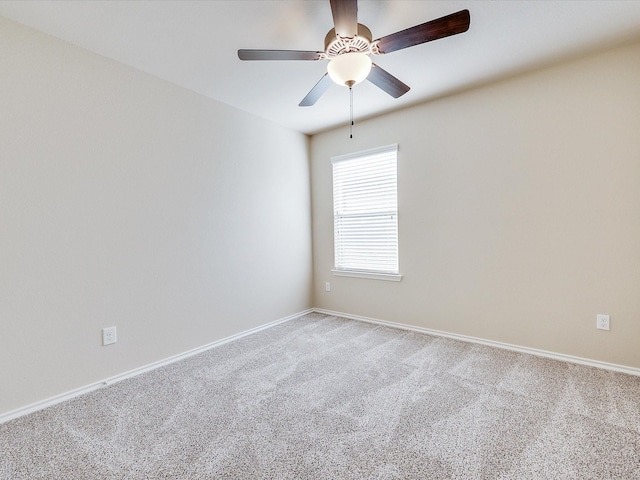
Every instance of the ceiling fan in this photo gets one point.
(349, 44)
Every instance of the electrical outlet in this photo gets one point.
(602, 322)
(327, 286)
(108, 336)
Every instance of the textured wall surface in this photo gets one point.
(519, 211)
(127, 201)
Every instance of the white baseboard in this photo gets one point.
(5, 417)
(19, 412)
(516, 348)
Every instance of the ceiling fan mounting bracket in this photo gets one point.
(335, 45)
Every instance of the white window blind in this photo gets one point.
(365, 211)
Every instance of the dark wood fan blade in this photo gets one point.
(345, 17)
(387, 82)
(439, 28)
(317, 91)
(278, 55)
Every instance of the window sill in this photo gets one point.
(392, 277)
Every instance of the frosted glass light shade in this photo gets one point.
(349, 68)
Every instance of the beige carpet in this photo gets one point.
(327, 398)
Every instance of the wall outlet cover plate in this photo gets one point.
(108, 336)
(602, 321)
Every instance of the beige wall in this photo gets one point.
(127, 201)
(519, 211)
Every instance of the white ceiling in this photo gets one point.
(194, 44)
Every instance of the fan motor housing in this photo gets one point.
(335, 45)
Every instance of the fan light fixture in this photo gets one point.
(349, 68)
(348, 45)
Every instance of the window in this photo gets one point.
(365, 213)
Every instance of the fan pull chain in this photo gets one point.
(351, 112)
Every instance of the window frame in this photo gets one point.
(366, 273)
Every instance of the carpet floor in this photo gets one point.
(322, 397)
